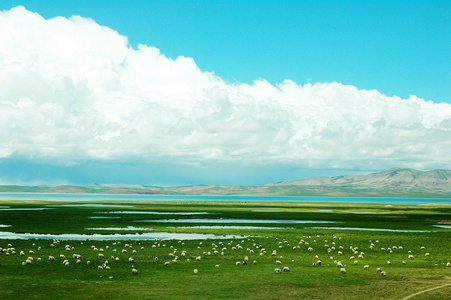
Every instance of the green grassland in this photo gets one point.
(297, 247)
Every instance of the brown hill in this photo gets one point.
(396, 178)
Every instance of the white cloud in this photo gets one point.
(71, 90)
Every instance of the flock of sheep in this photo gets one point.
(240, 251)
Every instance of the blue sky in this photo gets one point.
(399, 48)
(224, 112)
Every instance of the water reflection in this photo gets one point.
(367, 229)
(232, 227)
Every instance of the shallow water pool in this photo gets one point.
(249, 221)
(367, 229)
(109, 237)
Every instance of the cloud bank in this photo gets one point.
(72, 90)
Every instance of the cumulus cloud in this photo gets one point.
(72, 90)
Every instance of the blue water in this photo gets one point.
(121, 197)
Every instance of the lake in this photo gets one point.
(133, 197)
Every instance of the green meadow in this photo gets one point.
(321, 250)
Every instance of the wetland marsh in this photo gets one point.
(314, 241)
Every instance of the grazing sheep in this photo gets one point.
(51, 257)
(134, 271)
(388, 262)
(198, 258)
(277, 270)
(255, 262)
(403, 262)
(356, 262)
(383, 273)
(410, 256)
(130, 259)
(238, 263)
(278, 262)
(217, 266)
(166, 263)
(426, 254)
(343, 270)
(366, 267)
(196, 272)
(286, 269)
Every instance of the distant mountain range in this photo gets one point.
(390, 179)
(396, 182)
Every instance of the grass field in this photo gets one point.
(274, 235)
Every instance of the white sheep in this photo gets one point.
(196, 272)
(286, 269)
(366, 267)
(277, 270)
(343, 270)
(134, 271)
